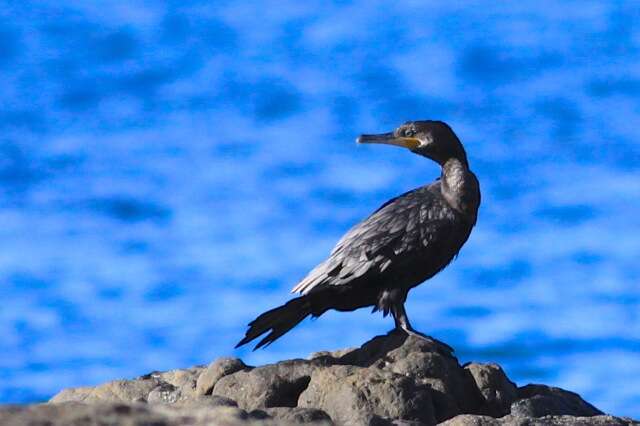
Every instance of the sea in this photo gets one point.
(169, 170)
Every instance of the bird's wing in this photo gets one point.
(410, 223)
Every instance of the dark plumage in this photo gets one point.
(406, 241)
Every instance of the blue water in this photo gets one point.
(169, 170)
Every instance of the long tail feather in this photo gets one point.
(277, 322)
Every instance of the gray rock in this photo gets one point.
(405, 423)
(452, 391)
(167, 387)
(498, 392)
(300, 415)
(510, 420)
(164, 393)
(275, 385)
(389, 348)
(138, 414)
(73, 394)
(473, 420)
(215, 371)
(540, 400)
(184, 380)
(211, 401)
(116, 391)
(332, 355)
(351, 395)
(79, 414)
(390, 380)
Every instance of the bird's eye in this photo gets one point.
(409, 132)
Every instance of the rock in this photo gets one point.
(164, 393)
(540, 400)
(72, 394)
(471, 420)
(275, 385)
(211, 401)
(510, 420)
(351, 394)
(184, 380)
(390, 380)
(300, 415)
(81, 414)
(390, 348)
(452, 391)
(498, 392)
(77, 414)
(334, 355)
(428, 362)
(215, 371)
(116, 391)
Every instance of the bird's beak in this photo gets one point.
(390, 139)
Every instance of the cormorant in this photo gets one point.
(406, 241)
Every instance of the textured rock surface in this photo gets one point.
(355, 395)
(390, 380)
(215, 371)
(275, 385)
(511, 420)
(498, 392)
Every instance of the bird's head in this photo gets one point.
(432, 139)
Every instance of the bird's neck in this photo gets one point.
(460, 187)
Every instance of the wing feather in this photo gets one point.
(411, 222)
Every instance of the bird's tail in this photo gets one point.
(278, 321)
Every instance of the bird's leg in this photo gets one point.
(401, 318)
(402, 322)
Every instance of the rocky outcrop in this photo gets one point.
(390, 380)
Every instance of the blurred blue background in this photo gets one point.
(170, 170)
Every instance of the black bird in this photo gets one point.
(406, 241)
